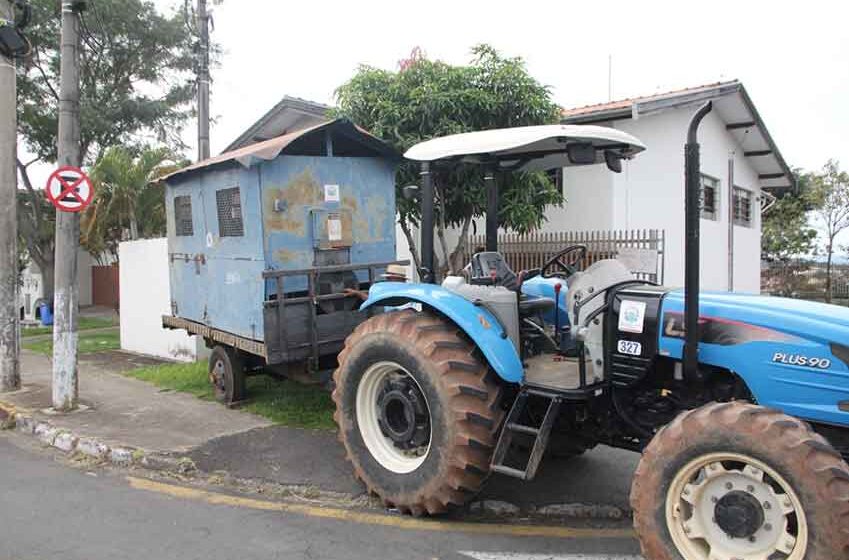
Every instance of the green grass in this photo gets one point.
(88, 343)
(85, 323)
(283, 402)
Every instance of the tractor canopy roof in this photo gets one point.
(532, 148)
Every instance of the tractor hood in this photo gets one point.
(770, 318)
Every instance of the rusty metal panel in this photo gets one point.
(301, 194)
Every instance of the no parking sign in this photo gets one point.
(69, 189)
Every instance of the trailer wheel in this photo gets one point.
(417, 411)
(227, 375)
(734, 480)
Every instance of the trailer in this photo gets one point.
(268, 246)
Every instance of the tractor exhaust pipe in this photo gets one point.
(692, 215)
(427, 273)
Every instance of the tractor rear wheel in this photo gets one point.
(417, 410)
(738, 481)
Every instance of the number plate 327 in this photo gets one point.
(629, 347)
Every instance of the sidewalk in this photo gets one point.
(131, 414)
(121, 411)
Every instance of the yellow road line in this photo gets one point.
(408, 523)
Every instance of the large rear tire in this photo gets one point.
(735, 480)
(417, 410)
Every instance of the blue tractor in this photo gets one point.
(738, 403)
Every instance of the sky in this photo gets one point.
(792, 57)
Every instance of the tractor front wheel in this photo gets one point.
(737, 481)
(417, 411)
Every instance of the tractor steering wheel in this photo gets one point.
(565, 260)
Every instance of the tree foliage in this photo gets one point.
(427, 98)
(136, 84)
(135, 77)
(129, 201)
(829, 195)
(786, 231)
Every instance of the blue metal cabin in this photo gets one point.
(300, 217)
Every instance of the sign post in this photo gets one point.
(70, 200)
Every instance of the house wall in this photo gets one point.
(649, 194)
(145, 298)
(589, 194)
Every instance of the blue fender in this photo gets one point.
(477, 322)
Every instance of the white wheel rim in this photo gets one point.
(692, 499)
(381, 447)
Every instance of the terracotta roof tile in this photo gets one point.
(625, 103)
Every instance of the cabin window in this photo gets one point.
(229, 205)
(742, 207)
(183, 215)
(710, 197)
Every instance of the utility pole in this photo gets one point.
(66, 298)
(203, 83)
(10, 377)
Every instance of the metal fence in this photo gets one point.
(644, 248)
(804, 279)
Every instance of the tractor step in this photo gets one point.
(513, 426)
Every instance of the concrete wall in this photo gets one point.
(145, 297)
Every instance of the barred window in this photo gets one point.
(183, 215)
(710, 197)
(229, 213)
(742, 207)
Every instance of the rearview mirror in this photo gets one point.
(581, 154)
(410, 192)
(613, 161)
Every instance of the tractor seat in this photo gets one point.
(533, 305)
(490, 268)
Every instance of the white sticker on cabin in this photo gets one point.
(331, 193)
(334, 229)
(632, 315)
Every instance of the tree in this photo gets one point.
(830, 197)
(129, 202)
(426, 98)
(786, 231)
(136, 82)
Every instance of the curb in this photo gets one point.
(124, 456)
(498, 508)
(75, 444)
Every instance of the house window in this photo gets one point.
(710, 197)
(229, 213)
(183, 215)
(742, 207)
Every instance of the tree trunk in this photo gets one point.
(134, 228)
(828, 271)
(456, 260)
(411, 242)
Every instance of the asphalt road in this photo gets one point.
(51, 510)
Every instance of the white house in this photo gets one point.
(740, 165)
(32, 289)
